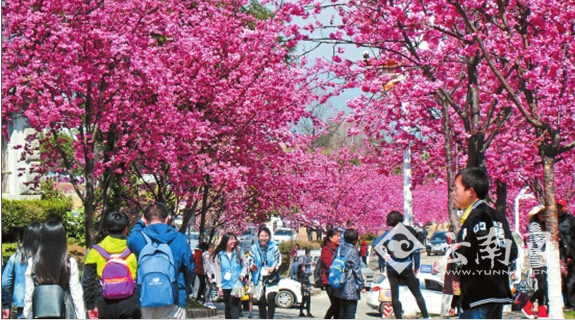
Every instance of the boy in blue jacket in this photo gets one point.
(154, 223)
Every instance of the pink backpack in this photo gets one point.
(117, 279)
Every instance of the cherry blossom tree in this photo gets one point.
(198, 94)
(502, 68)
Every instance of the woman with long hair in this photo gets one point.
(264, 261)
(538, 263)
(13, 279)
(228, 269)
(53, 265)
(330, 243)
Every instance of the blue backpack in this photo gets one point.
(337, 276)
(156, 275)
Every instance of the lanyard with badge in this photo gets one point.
(264, 271)
(228, 274)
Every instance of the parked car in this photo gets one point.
(431, 285)
(289, 293)
(248, 238)
(368, 274)
(284, 234)
(193, 240)
(437, 243)
(178, 220)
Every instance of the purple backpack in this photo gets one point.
(117, 279)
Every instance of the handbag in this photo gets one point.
(48, 302)
(272, 279)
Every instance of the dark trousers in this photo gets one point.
(541, 294)
(128, 308)
(347, 309)
(333, 310)
(364, 259)
(408, 278)
(232, 303)
(202, 287)
(569, 287)
(306, 300)
(267, 306)
(455, 302)
(484, 311)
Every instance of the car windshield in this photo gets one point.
(282, 233)
(438, 236)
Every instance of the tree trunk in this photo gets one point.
(204, 210)
(89, 203)
(501, 202)
(551, 225)
(449, 168)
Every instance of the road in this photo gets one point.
(320, 302)
(319, 305)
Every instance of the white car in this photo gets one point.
(193, 240)
(289, 293)
(431, 287)
(284, 234)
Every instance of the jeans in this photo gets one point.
(408, 278)
(333, 310)
(484, 311)
(347, 309)
(232, 303)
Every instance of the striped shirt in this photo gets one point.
(536, 246)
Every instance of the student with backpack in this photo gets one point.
(13, 279)
(165, 264)
(345, 275)
(53, 288)
(330, 244)
(109, 272)
(228, 270)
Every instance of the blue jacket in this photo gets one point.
(257, 256)
(355, 283)
(14, 282)
(165, 234)
(224, 265)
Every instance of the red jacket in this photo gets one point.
(327, 253)
(199, 262)
(363, 250)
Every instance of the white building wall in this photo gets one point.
(13, 165)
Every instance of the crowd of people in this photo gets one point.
(147, 273)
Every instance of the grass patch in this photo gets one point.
(193, 304)
(569, 314)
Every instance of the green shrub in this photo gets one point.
(17, 214)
